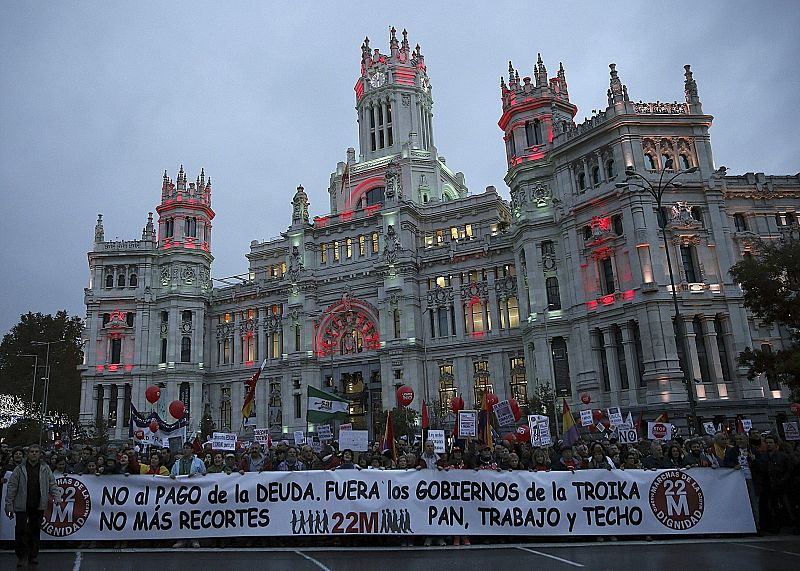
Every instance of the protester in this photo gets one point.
(291, 464)
(28, 489)
(217, 464)
(188, 464)
(154, 468)
(742, 457)
(598, 460)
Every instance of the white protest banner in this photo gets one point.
(708, 427)
(545, 439)
(627, 435)
(324, 432)
(438, 440)
(505, 416)
(299, 437)
(520, 503)
(535, 423)
(659, 431)
(345, 426)
(356, 440)
(586, 417)
(791, 431)
(747, 424)
(615, 416)
(261, 435)
(223, 441)
(468, 423)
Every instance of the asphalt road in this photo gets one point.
(773, 554)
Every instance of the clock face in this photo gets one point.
(426, 84)
(377, 79)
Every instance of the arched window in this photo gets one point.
(447, 388)
(595, 175)
(683, 160)
(582, 181)
(121, 280)
(537, 131)
(133, 281)
(529, 137)
(610, 170)
(110, 280)
(649, 162)
(482, 380)
(375, 196)
(169, 227)
(512, 147)
(186, 349)
(666, 161)
(190, 227)
(553, 293)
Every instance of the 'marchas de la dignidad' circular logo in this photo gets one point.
(71, 513)
(676, 500)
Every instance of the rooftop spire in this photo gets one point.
(690, 86)
(98, 229)
(540, 72)
(404, 45)
(617, 92)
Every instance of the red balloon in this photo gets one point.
(177, 409)
(492, 399)
(597, 414)
(509, 436)
(606, 423)
(58, 444)
(456, 404)
(795, 408)
(405, 395)
(152, 394)
(154, 426)
(586, 398)
(592, 428)
(523, 433)
(515, 410)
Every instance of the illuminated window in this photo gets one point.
(362, 245)
(323, 254)
(482, 380)
(277, 349)
(227, 318)
(349, 248)
(335, 248)
(276, 309)
(248, 348)
(447, 388)
(226, 351)
(375, 246)
(439, 236)
(519, 382)
(513, 311)
(352, 342)
(283, 268)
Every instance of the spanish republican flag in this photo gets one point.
(569, 432)
(250, 397)
(388, 437)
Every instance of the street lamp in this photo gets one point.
(657, 192)
(35, 370)
(45, 394)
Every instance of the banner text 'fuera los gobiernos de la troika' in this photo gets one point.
(395, 502)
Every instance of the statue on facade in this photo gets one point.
(300, 206)
(392, 247)
(393, 187)
(295, 265)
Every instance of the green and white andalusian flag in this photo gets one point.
(324, 406)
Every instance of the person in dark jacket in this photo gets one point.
(28, 489)
(773, 473)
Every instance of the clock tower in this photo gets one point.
(393, 99)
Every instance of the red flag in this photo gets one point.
(249, 398)
(639, 422)
(425, 419)
(197, 447)
(388, 437)
(486, 413)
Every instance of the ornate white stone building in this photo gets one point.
(411, 279)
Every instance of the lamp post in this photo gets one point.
(657, 192)
(35, 370)
(45, 394)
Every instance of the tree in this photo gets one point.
(770, 280)
(543, 402)
(17, 371)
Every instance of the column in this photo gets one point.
(106, 401)
(610, 347)
(121, 428)
(630, 361)
(692, 359)
(714, 364)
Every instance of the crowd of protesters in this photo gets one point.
(771, 467)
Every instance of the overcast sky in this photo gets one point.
(97, 99)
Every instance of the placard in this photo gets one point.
(468, 423)
(261, 435)
(659, 431)
(627, 435)
(299, 437)
(747, 424)
(356, 440)
(324, 432)
(791, 431)
(615, 416)
(438, 440)
(316, 445)
(505, 416)
(405, 503)
(586, 417)
(709, 429)
(223, 441)
(345, 426)
(539, 426)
